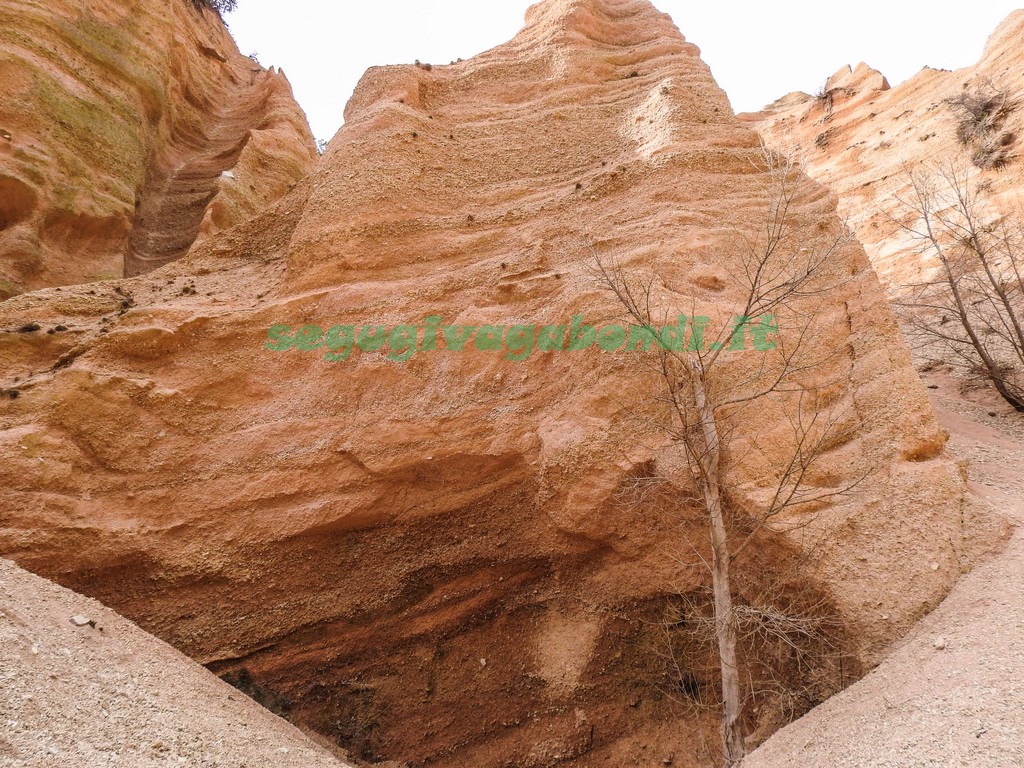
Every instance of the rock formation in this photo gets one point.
(431, 560)
(860, 137)
(120, 122)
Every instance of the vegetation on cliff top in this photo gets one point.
(220, 6)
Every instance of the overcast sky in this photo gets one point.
(758, 51)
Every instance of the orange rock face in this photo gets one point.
(440, 559)
(124, 128)
(860, 138)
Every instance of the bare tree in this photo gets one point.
(973, 303)
(704, 394)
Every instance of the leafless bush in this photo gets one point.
(790, 644)
(981, 116)
(219, 6)
(823, 96)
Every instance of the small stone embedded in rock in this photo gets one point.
(939, 643)
(81, 621)
(483, 662)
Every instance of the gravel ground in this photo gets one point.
(112, 695)
(952, 693)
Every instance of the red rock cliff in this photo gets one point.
(120, 122)
(860, 138)
(432, 560)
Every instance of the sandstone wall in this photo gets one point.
(439, 559)
(117, 120)
(862, 137)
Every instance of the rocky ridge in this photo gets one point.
(860, 138)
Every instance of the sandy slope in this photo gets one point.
(114, 695)
(952, 693)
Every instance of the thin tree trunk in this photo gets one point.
(726, 631)
(997, 285)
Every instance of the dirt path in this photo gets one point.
(180, 187)
(952, 694)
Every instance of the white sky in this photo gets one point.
(757, 50)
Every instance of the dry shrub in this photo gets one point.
(219, 6)
(981, 117)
